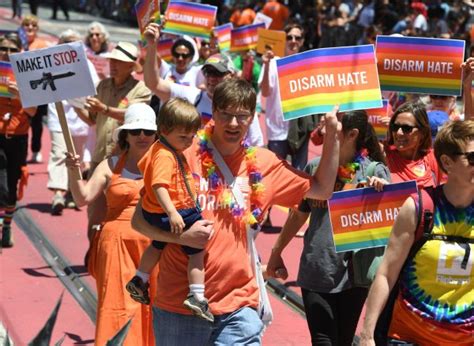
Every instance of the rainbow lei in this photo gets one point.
(345, 173)
(250, 215)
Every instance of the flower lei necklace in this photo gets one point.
(250, 215)
(345, 173)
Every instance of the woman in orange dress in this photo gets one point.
(117, 248)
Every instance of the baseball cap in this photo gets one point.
(123, 51)
(221, 62)
(437, 120)
(137, 116)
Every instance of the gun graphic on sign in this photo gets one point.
(48, 79)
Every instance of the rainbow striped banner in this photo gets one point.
(163, 48)
(187, 18)
(363, 218)
(420, 65)
(223, 34)
(6, 75)
(314, 81)
(147, 11)
(245, 37)
(374, 118)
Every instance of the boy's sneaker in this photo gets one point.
(138, 290)
(200, 308)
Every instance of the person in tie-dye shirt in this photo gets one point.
(435, 303)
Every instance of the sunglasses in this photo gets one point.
(212, 72)
(406, 129)
(30, 24)
(241, 118)
(181, 55)
(293, 37)
(92, 34)
(137, 132)
(441, 97)
(9, 50)
(469, 156)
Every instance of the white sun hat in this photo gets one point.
(137, 116)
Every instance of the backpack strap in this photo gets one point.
(425, 210)
(198, 99)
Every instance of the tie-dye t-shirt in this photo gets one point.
(437, 285)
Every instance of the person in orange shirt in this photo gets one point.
(30, 26)
(169, 200)
(233, 206)
(14, 126)
(242, 16)
(278, 12)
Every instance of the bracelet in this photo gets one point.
(107, 109)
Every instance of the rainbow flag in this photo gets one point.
(187, 18)
(6, 75)
(163, 48)
(314, 81)
(223, 34)
(420, 65)
(363, 218)
(375, 114)
(245, 37)
(147, 11)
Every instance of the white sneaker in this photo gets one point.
(37, 157)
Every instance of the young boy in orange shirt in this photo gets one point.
(169, 200)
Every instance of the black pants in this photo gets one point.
(37, 128)
(34, 6)
(332, 317)
(15, 149)
(64, 7)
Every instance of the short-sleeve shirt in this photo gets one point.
(189, 78)
(321, 268)
(277, 128)
(197, 97)
(230, 283)
(13, 119)
(278, 12)
(160, 169)
(132, 91)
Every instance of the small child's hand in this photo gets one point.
(176, 223)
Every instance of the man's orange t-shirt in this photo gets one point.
(230, 283)
(13, 119)
(277, 12)
(160, 168)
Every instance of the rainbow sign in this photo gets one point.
(6, 75)
(245, 37)
(147, 11)
(187, 18)
(163, 48)
(223, 34)
(420, 65)
(363, 218)
(375, 114)
(314, 81)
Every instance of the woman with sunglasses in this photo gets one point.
(116, 249)
(182, 71)
(434, 304)
(408, 147)
(14, 126)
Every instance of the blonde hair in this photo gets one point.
(451, 139)
(178, 113)
(29, 18)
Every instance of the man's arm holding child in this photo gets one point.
(197, 236)
(176, 221)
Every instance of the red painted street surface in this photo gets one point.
(30, 288)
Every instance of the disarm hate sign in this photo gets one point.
(52, 74)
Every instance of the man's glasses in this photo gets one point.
(181, 55)
(212, 72)
(293, 37)
(9, 50)
(241, 118)
(406, 129)
(136, 132)
(469, 156)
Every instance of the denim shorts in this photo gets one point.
(162, 221)
(241, 327)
